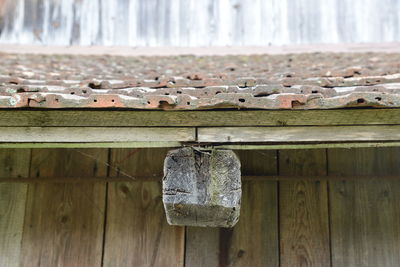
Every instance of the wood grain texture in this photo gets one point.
(299, 134)
(206, 185)
(13, 163)
(152, 178)
(303, 210)
(138, 162)
(365, 214)
(232, 247)
(202, 246)
(254, 240)
(303, 145)
(134, 144)
(137, 233)
(95, 134)
(258, 163)
(242, 146)
(198, 118)
(64, 222)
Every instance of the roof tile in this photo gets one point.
(304, 81)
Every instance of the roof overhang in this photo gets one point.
(234, 129)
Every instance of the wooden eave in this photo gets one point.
(235, 129)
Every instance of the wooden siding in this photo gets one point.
(59, 219)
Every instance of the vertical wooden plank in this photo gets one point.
(64, 222)
(254, 240)
(13, 163)
(140, 162)
(365, 217)
(258, 162)
(137, 233)
(303, 209)
(202, 246)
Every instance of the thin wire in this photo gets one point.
(118, 170)
(103, 213)
(262, 153)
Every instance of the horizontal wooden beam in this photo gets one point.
(135, 118)
(152, 144)
(305, 146)
(207, 146)
(95, 134)
(158, 178)
(239, 138)
(293, 135)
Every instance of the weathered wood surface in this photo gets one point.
(365, 215)
(303, 210)
(13, 163)
(254, 239)
(307, 146)
(243, 137)
(64, 223)
(202, 188)
(202, 246)
(137, 233)
(156, 144)
(258, 163)
(363, 211)
(95, 134)
(122, 178)
(138, 162)
(135, 144)
(299, 134)
(126, 118)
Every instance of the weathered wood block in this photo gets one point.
(202, 188)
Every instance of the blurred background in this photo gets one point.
(198, 22)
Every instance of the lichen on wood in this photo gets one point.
(202, 188)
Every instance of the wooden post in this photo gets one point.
(202, 188)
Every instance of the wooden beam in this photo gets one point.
(242, 146)
(94, 134)
(124, 118)
(137, 144)
(240, 138)
(134, 179)
(322, 134)
(202, 188)
(304, 146)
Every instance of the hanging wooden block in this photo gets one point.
(202, 188)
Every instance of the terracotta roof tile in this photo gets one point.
(301, 81)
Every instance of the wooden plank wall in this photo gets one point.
(299, 222)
